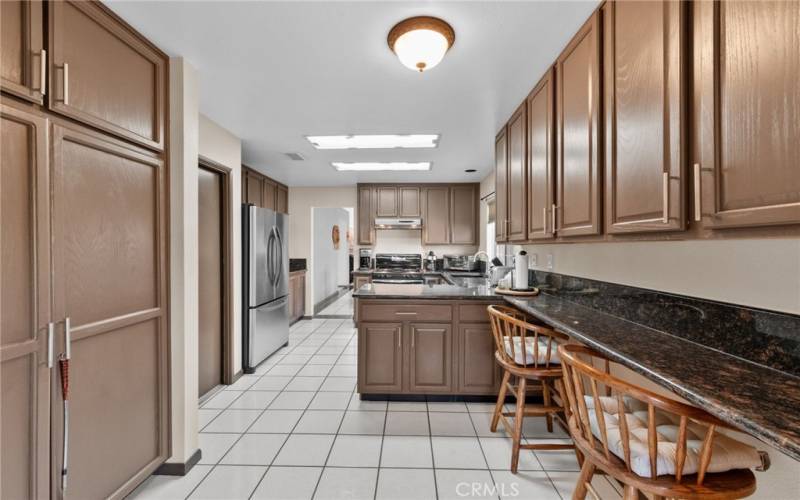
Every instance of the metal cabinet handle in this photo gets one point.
(63, 363)
(400, 339)
(405, 313)
(50, 334)
(665, 214)
(544, 219)
(66, 84)
(697, 207)
(67, 338)
(553, 216)
(43, 71)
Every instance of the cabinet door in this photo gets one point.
(436, 219)
(22, 57)
(24, 304)
(110, 269)
(386, 201)
(366, 219)
(645, 122)
(380, 357)
(300, 302)
(541, 157)
(270, 195)
(282, 201)
(578, 101)
(463, 214)
(430, 366)
(409, 201)
(254, 189)
(104, 74)
(500, 187)
(477, 369)
(517, 185)
(748, 70)
(292, 299)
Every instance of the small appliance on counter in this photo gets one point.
(364, 259)
(430, 262)
(460, 263)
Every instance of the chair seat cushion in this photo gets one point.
(727, 453)
(527, 356)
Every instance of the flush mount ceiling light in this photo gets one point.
(421, 42)
(377, 166)
(387, 141)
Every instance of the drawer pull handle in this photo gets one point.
(43, 71)
(406, 313)
(697, 208)
(665, 215)
(66, 85)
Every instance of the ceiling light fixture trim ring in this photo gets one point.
(421, 23)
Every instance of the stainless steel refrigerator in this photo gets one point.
(265, 277)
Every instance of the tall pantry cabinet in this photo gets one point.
(84, 251)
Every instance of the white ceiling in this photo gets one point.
(274, 72)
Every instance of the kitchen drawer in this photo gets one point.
(406, 312)
(475, 313)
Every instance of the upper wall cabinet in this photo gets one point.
(516, 185)
(23, 60)
(747, 58)
(436, 210)
(386, 201)
(104, 74)
(263, 192)
(578, 210)
(282, 200)
(541, 157)
(645, 122)
(366, 216)
(409, 201)
(501, 186)
(464, 214)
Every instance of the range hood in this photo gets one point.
(398, 223)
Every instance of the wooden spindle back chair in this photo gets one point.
(526, 351)
(633, 411)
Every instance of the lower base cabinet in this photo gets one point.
(297, 295)
(425, 347)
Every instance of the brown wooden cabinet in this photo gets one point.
(25, 302)
(517, 186)
(366, 216)
(436, 215)
(360, 280)
(464, 214)
(264, 192)
(297, 295)
(501, 186)
(409, 201)
(645, 119)
(386, 201)
(579, 184)
(430, 351)
(477, 370)
(23, 58)
(380, 355)
(282, 199)
(541, 157)
(747, 65)
(95, 60)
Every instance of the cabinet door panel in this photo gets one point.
(749, 66)
(579, 182)
(430, 366)
(366, 233)
(500, 187)
(477, 370)
(386, 202)
(644, 116)
(270, 195)
(21, 49)
(517, 185)
(254, 190)
(282, 201)
(24, 305)
(409, 202)
(541, 157)
(380, 357)
(436, 218)
(115, 80)
(463, 215)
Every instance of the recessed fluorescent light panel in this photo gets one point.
(390, 141)
(377, 167)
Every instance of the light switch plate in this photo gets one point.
(532, 259)
(550, 261)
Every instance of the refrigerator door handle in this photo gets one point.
(270, 270)
(279, 257)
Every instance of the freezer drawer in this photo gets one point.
(268, 330)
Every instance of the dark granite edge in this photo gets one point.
(724, 412)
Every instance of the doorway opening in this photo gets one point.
(332, 261)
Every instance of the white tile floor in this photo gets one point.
(298, 430)
(343, 306)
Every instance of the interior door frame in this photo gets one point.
(228, 377)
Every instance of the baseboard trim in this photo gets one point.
(236, 376)
(179, 468)
(330, 299)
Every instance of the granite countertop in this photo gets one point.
(757, 399)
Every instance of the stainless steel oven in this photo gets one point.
(400, 269)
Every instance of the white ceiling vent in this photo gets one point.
(295, 156)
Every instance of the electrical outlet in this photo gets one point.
(550, 261)
(533, 260)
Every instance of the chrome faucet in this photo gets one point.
(479, 252)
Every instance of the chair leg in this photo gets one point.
(547, 401)
(587, 472)
(518, 417)
(630, 493)
(501, 399)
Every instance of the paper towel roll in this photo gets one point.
(521, 270)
